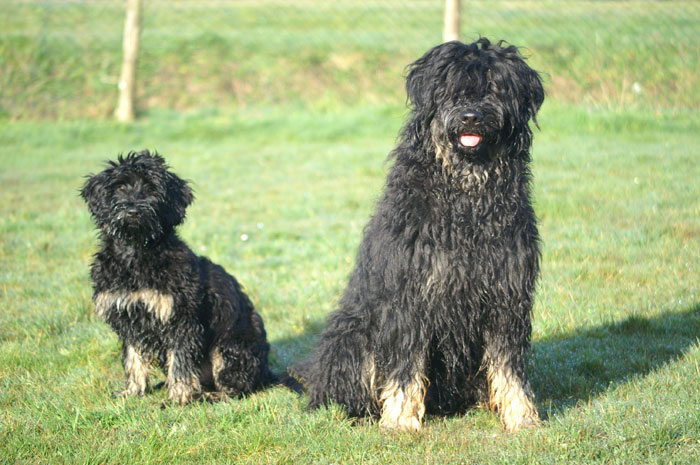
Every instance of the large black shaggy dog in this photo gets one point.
(167, 305)
(436, 314)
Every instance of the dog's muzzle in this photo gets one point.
(471, 120)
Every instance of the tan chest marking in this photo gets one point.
(161, 305)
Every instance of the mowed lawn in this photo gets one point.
(282, 119)
(615, 362)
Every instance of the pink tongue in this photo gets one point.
(469, 140)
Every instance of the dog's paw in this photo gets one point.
(210, 397)
(400, 416)
(180, 393)
(402, 409)
(515, 423)
(118, 394)
(402, 423)
(128, 392)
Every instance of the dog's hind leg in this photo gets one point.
(234, 370)
(342, 370)
(509, 390)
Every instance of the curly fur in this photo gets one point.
(436, 314)
(167, 305)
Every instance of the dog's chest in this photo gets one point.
(134, 304)
(144, 317)
(472, 264)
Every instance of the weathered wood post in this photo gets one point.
(451, 31)
(127, 81)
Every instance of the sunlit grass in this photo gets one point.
(615, 356)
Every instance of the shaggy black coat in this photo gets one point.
(167, 305)
(444, 277)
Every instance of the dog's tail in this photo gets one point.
(298, 374)
(285, 379)
(289, 380)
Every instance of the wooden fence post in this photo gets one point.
(451, 31)
(127, 81)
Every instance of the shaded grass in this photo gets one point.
(616, 322)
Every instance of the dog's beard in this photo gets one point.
(465, 151)
(457, 144)
(464, 141)
(139, 228)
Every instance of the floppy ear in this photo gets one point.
(179, 196)
(535, 94)
(418, 92)
(425, 86)
(424, 74)
(520, 85)
(529, 86)
(93, 193)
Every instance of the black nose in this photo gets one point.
(471, 117)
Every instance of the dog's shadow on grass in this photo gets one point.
(573, 367)
(289, 351)
(580, 365)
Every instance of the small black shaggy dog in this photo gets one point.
(436, 314)
(168, 305)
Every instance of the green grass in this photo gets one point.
(62, 59)
(615, 361)
(282, 114)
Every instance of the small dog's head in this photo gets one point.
(136, 198)
(474, 98)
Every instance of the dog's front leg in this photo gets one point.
(509, 390)
(182, 378)
(402, 396)
(403, 404)
(137, 371)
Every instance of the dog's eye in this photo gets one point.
(149, 186)
(119, 187)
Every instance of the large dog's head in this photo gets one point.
(136, 198)
(473, 100)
